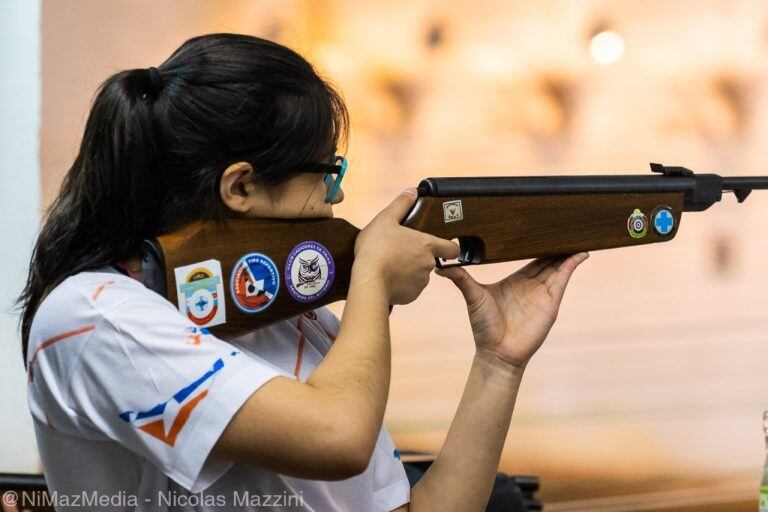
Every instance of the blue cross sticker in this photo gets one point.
(663, 221)
(201, 303)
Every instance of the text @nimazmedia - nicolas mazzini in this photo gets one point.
(162, 498)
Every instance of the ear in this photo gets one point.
(236, 188)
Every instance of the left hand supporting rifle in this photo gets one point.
(510, 320)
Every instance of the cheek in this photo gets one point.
(316, 203)
(305, 197)
(318, 196)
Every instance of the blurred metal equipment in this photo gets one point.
(26, 487)
(21, 482)
(509, 493)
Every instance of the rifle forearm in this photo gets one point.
(506, 228)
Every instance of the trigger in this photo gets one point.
(471, 252)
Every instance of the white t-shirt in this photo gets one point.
(129, 397)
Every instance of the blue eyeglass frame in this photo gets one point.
(338, 167)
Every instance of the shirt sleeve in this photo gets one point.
(391, 486)
(164, 388)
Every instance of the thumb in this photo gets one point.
(399, 208)
(469, 288)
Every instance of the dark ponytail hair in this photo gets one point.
(157, 141)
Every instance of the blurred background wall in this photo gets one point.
(650, 388)
(20, 213)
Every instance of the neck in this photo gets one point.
(132, 266)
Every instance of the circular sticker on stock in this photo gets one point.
(255, 282)
(663, 220)
(637, 224)
(309, 271)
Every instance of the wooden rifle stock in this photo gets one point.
(275, 238)
(494, 220)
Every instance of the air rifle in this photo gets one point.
(248, 273)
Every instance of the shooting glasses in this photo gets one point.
(334, 174)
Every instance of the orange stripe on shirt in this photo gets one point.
(157, 428)
(100, 289)
(59, 337)
(300, 349)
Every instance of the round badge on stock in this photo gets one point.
(663, 220)
(309, 271)
(637, 225)
(254, 283)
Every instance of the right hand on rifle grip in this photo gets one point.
(401, 257)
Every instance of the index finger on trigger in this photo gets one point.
(445, 249)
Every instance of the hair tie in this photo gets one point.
(155, 79)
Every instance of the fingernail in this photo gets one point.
(411, 191)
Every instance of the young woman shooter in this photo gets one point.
(130, 398)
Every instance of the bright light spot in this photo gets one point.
(490, 60)
(606, 47)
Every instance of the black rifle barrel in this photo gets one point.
(538, 185)
(746, 182)
(615, 184)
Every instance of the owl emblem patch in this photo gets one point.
(309, 271)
